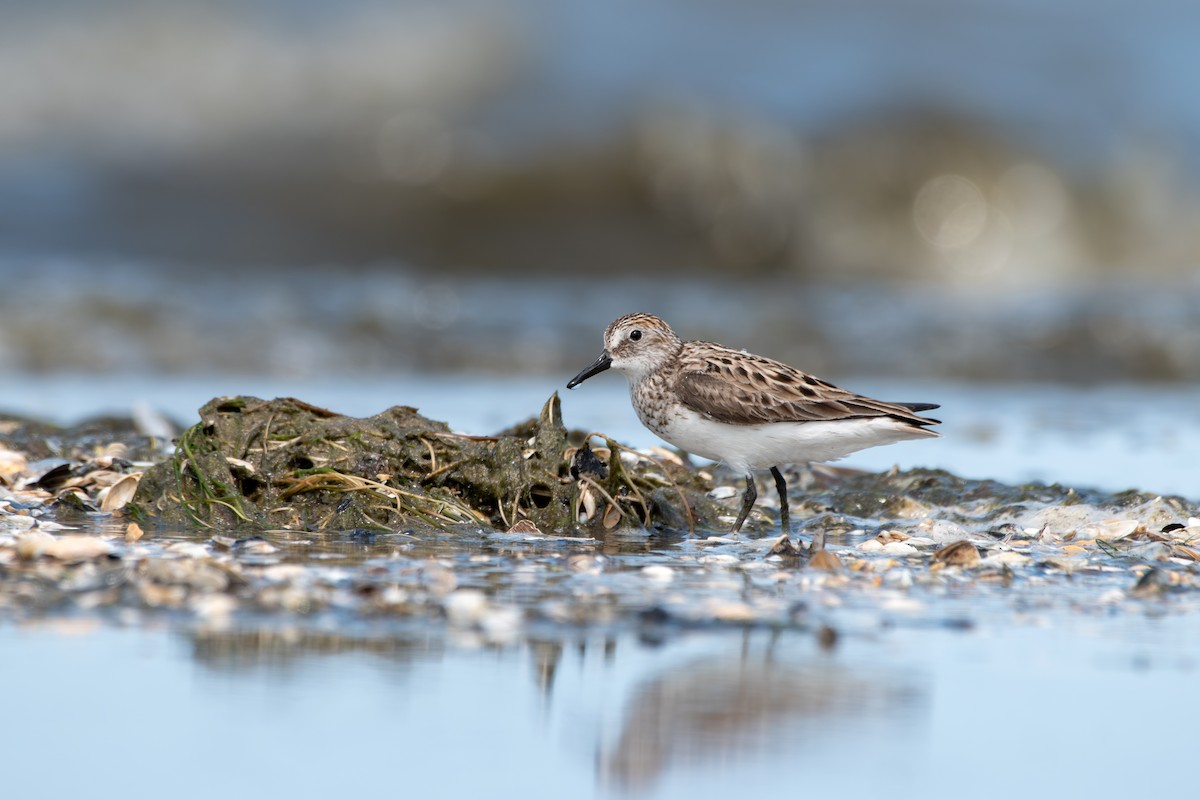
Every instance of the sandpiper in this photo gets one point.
(747, 411)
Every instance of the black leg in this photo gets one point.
(781, 487)
(747, 502)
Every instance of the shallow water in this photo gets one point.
(1076, 706)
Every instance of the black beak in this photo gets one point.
(595, 368)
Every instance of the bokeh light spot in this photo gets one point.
(950, 212)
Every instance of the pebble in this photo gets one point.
(942, 531)
(283, 573)
(728, 611)
(1151, 551)
(438, 579)
(586, 564)
(825, 559)
(17, 522)
(658, 573)
(465, 607)
(73, 549)
(902, 604)
(501, 625)
(920, 541)
(960, 553)
(188, 549)
(31, 545)
(255, 546)
(1111, 530)
(898, 549)
(199, 575)
(214, 607)
(1006, 558)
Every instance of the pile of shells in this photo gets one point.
(104, 483)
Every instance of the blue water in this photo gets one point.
(1072, 706)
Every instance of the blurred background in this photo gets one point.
(989, 190)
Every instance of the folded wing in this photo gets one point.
(742, 389)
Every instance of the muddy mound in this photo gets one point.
(287, 464)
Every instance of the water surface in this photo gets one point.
(1076, 706)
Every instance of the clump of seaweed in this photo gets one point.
(287, 464)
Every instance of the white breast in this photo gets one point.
(771, 444)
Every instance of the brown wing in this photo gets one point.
(743, 389)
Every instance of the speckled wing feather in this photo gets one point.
(743, 389)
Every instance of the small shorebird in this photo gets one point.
(747, 411)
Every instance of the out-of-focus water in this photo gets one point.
(979, 143)
(1071, 706)
(295, 322)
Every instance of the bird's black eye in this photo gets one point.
(635, 335)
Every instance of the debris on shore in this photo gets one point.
(287, 464)
(282, 507)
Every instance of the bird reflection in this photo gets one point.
(721, 708)
(546, 657)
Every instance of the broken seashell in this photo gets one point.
(587, 504)
(1111, 529)
(120, 493)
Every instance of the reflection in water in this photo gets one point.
(546, 657)
(734, 708)
(902, 712)
(280, 649)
